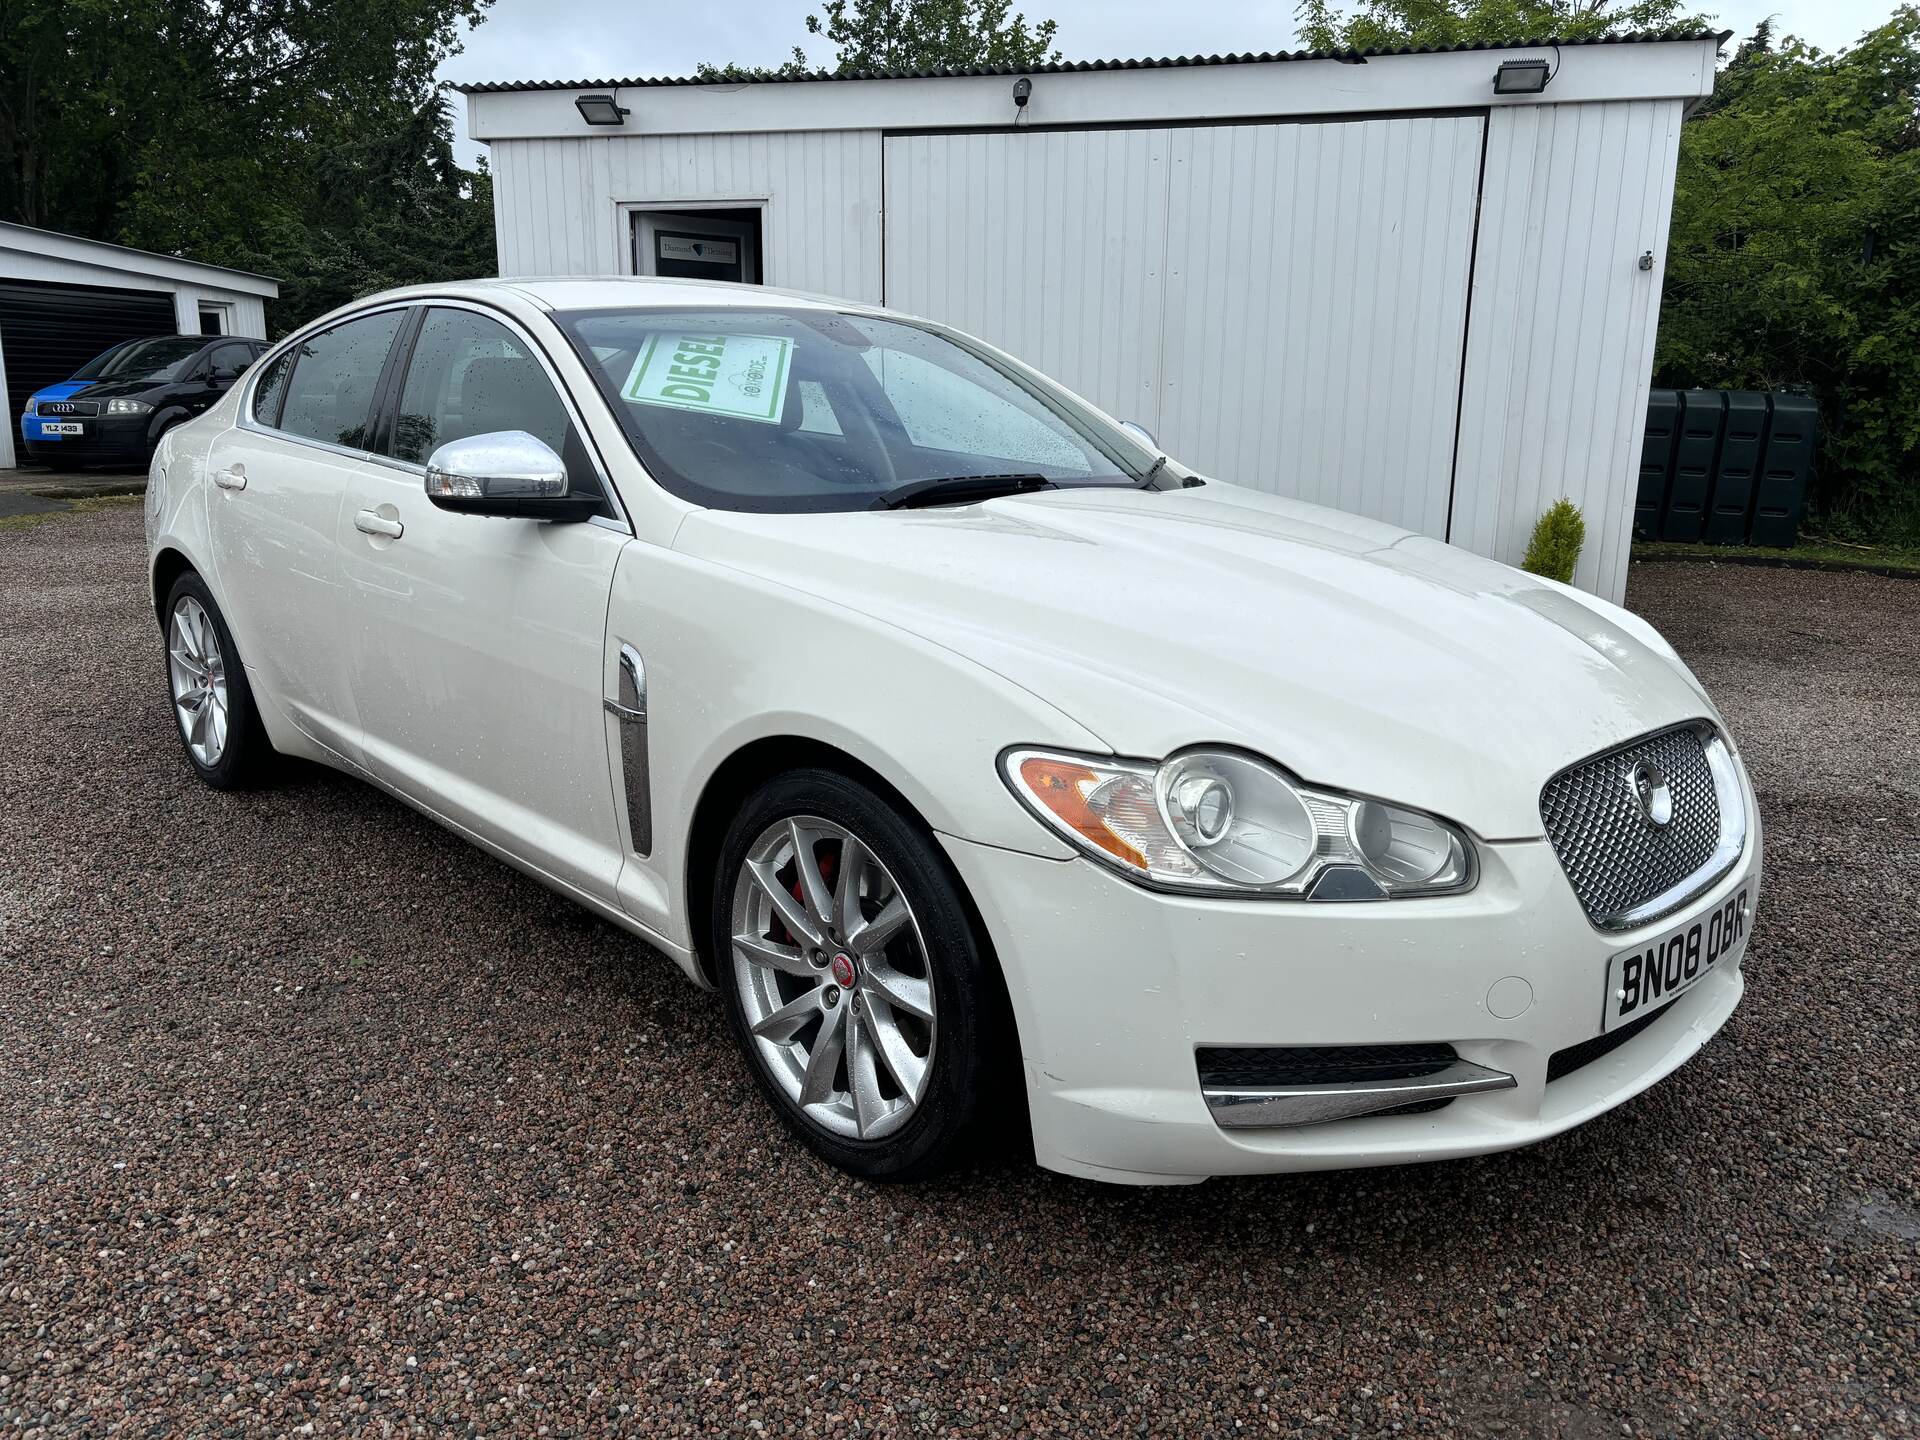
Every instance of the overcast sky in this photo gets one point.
(610, 39)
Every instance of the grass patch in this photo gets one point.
(77, 507)
(1810, 553)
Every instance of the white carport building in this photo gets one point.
(64, 299)
(1421, 286)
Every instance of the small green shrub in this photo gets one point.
(1555, 547)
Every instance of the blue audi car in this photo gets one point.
(115, 408)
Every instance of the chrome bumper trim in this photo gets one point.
(1271, 1107)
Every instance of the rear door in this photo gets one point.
(477, 643)
(279, 478)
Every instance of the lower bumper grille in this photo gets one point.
(1575, 1057)
(1319, 1064)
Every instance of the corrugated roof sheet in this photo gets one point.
(1176, 62)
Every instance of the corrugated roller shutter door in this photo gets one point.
(49, 330)
(1283, 305)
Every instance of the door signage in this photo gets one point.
(742, 376)
(706, 251)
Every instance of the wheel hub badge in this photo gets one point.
(843, 971)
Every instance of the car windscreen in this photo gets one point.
(771, 409)
(91, 370)
(163, 358)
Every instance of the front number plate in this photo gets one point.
(1641, 981)
(62, 427)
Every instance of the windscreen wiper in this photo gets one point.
(959, 490)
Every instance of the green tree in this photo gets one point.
(914, 35)
(1384, 24)
(257, 133)
(1794, 257)
(1554, 548)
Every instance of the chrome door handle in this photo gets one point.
(369, 523)
(234, 477)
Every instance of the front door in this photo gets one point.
(476, 642)
(279, 481)
(697, 247)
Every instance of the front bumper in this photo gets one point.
(106, 439)
(1114, 988)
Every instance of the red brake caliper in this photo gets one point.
(828, 866)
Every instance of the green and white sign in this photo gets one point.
(743, 377)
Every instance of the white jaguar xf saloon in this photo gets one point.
(1006, 777)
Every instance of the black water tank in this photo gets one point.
(1656, 463)
(1780, 499)
(1703, 416)
(1741, 448)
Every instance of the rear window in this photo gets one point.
(820, 410)
(335, 373)
(269, 389)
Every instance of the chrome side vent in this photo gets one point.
(631, 711)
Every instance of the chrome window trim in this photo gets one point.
(620, 521)
(1728, 794)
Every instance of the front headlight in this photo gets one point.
(128, 407)
(33, 407)
(1224, 822)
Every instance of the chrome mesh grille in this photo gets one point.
(1614, 856)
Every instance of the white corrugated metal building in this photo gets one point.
(64, 299)
(1368, 280)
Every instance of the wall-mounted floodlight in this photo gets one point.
(601, 110)
(1521, 77)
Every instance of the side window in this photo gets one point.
(470, 375)
(330, 395)
(229, 360)
(941, 410)
(273, 384)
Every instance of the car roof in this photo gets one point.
(617, 292)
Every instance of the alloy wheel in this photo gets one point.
(199, 674)
(833, 977)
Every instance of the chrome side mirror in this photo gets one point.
(1140, 433)
(501, 465)
(504, 472)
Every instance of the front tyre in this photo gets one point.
(220, 729)
(853, 977)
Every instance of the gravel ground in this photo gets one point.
(313, 1120)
